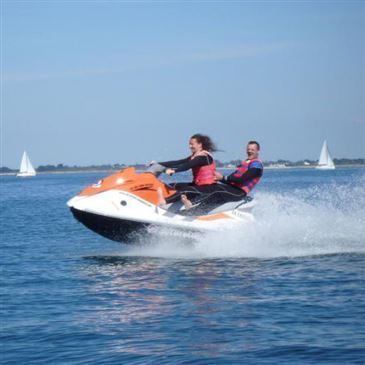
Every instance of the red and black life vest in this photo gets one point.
(203, 175)
(249, 184)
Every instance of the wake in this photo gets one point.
(329, 219)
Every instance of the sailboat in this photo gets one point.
(26, 167)
(325, 160)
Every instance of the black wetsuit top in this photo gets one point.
(188, 163)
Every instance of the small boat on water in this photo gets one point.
(325, 160)
(26, 167)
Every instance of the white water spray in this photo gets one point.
(315, 221)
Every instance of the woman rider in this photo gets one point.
(201, 163)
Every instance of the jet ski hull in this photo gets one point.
(120, 230)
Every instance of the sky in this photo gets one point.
(93, 82)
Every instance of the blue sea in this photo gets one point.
(286, 289)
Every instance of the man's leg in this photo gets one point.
(216, 195)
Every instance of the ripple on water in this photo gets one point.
(288, 290)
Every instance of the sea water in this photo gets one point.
(286, 289)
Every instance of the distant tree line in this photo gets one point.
(61, 167)
(349, 161)
(6, 170)
(110, 167)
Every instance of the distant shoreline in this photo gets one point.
(142, 170)
(268, 165)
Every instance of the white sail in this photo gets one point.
(325, 160)
(26, 167)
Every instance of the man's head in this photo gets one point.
(253, 149)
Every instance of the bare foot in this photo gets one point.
(160, 199)
(187, 203)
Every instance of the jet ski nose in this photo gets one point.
(72, 203)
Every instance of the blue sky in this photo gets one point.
(88, 82)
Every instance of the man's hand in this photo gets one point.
(218, 176)
(170, 171)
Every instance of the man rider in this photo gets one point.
(246, 176)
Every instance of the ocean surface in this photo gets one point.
(287, 289)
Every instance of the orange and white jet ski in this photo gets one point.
(124, 203)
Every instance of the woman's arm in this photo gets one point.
(175, 163)
(195, 162)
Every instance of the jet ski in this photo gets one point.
(125, 204)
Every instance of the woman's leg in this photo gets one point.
(181, 189)
(185, 192)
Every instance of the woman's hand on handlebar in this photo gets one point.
(170, 171)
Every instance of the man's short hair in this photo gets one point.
(256, 143)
